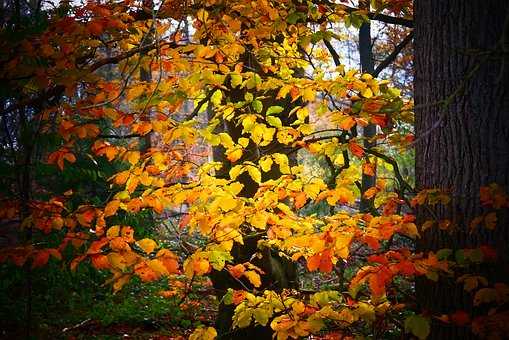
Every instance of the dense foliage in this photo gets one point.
(221, 142)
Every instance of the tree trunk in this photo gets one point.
(369, 131)
(462, 143)
(280, 273)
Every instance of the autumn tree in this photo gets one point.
(200, 128)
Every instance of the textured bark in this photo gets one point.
(463, 145)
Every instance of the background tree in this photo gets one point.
(462, 139)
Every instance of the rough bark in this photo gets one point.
(462, 143)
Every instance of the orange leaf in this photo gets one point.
(111, 208)
(300, 200)
(145, 273)
(238, 296)
(237, 270)
(347, 123)
(100, 261)
(294, 93)
(368, 169)
(321, 261)
(371, 192)
(356, 149)
(40, 259)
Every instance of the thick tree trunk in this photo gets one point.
(462, 143)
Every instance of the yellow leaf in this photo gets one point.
(203, 333)
(312, 189)
(236, 171)
(265, 163)
(227, 203)
(148, 245)
(226, 140)
(216, 97)
(298, 307)
(367, 93)
(234, 155)
(117, 261)
(255, 174)
(234, 188)
(259, 220)
(135, 92)
(274, 121)
(113, 231)
(308, 94)
(253, 277)
(202, 15)
(282, 161)
(409, 229)
(244, 142)
(342, 245)
(257, 133)
(157, 266)
(428, 224)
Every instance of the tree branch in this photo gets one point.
(371, 15)
(382, 17)
(332, 51)
(391, 57)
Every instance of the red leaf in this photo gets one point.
(356, 149)
(460, 318)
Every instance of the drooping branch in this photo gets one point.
(122, 56)
(59, 89)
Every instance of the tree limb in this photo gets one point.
(391, 57)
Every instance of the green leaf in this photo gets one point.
(418, 326)
(257, 105)
(216, 97)
(248, 97)
(236, 79)
(228, 297)
(274, 121)
(252, 82)
(261, 316)
(293, 17)
(218, 258)
(443, 254)
(274, 110)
